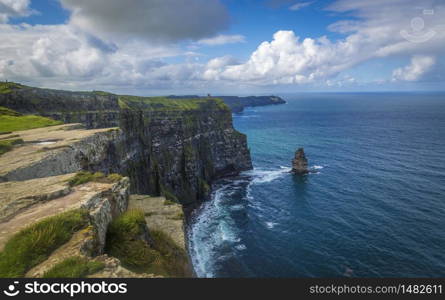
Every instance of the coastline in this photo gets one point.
(148, 155)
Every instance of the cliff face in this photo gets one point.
(168, 147)
(94, 109)
(171, 148)
(176, 151)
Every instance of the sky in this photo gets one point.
(231, 47)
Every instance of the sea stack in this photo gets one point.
(299, 163)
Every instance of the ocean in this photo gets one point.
(374, 206)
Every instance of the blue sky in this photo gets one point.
(224, 46)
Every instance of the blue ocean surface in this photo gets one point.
(375, 207)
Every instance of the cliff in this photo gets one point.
(57, 223)
(96, 109)
(238, 104)
(54, 180)
(169, 147)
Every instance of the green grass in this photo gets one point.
(124, 242)
(166, 104)
(4, 111)
(7, 145)
(169, 202)
(102, 93)
(10, 123)
(74, 267)
(8, 87)
(171, 198)
(174, 259)
(84, 177)
(35, 243)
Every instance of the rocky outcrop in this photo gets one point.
(237, 104)
(300, 163)
(55, 151)
(104, 207)
(26, 202)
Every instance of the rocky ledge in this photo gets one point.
(67, 216)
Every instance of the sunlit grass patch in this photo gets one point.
(35, 243)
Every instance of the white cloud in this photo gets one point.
(418, 67)
(169, 20)
(376, 33)
(300, 5)
(14, 8)
(222, 40)
(91, 53)
(62, 54)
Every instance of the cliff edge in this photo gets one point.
(69, 185)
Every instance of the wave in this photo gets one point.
(265, 176)
(213, 227)
(271, 225)
(240, 247)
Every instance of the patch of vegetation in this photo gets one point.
(8, 87)
(74, 267)
(35, 243)
(169, 202)
(124, 241)
(174, 258)
(7, 145)
(114, 177)
(102, 93)
(85, 177)
(4, 111)
(204, 186)
(168, 195)
(167, 104)
(13, 121)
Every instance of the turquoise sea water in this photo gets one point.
(375, 207)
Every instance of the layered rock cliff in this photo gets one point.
(173, 148)
(168, 147)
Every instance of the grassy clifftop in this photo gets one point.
(166, 104)
(11, 120)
